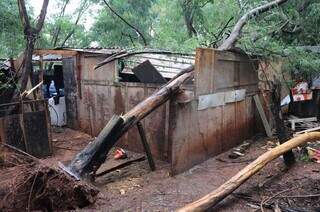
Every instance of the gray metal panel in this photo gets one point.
(219, 99)
(211, 100)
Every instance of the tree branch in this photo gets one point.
(42, 15)
(126, 22)
(81, 12)
(24, 15)
(234, 36)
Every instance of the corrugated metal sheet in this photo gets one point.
(167, 65)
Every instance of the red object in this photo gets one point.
(120, 154)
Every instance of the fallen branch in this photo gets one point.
(263, 202)
(228, 187)
(20, 151)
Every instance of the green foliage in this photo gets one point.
(11, 33)
(179, 25)
(110, 30)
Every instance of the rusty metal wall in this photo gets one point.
(102, 97)
(178, 133)
(196, 135)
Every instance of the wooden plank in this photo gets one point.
(204, 71)
(262, 115)
(36, 132)
(12, 132)
(53, 51)
(70, 87)
(229, 129)
(119, 166)
(306, 131)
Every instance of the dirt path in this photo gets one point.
(135, 188)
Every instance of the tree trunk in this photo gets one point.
(88, 161)
(31, 34)
(27, 67)
(213, 198)
(282, 132)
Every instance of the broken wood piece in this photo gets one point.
(94, 154)
(103, 170)
(146, 146)
(213, 198)
(27, 93)
(299, 120)
(262, 116)
(306, 131)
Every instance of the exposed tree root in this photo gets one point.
(36, 186)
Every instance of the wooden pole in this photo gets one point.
(146, 146)
(88, 161)
(213, 198)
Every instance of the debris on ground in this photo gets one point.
(314, 154)
(240, 150)
(120, 154)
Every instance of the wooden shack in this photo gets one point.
(218, 115)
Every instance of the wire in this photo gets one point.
(55, 113)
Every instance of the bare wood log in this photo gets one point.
(88, 161)
(235, 34)
(242, 176)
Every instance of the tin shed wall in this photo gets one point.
(102, 97)
(198, 134)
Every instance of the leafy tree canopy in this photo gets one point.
(179, 25)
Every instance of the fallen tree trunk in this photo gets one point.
(88, 161)
(228, 187)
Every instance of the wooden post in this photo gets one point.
(146, 146)
(213, 198)
(262, 115)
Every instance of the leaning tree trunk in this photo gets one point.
(88, 161)
(235, 34)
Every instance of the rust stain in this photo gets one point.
(119, 105)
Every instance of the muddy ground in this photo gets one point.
(136, 188)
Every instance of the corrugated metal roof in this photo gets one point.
(167, 65)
